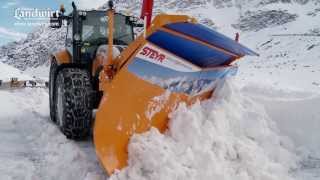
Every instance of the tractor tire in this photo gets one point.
(53, 68)
(73, 92)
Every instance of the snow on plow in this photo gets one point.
(179, 60)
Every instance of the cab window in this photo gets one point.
(95, 29)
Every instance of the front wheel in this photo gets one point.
(53, 68)
(73, 109)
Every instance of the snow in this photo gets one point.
(40, 72)
(294, 112)
(32, 148)
(157, 104)
(227, 137)
(263, 125)
(7, 72)
(244, 133)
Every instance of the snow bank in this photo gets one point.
(296, 113)
(226, 137)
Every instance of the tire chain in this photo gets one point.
(77, 106)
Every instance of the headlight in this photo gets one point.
(82, 13)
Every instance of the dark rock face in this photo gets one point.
(255, 21)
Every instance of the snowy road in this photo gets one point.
(32, 148)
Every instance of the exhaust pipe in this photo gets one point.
(108, 64)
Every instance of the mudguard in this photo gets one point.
(62, 57)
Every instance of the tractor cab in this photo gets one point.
(93, 41)
(87, 31)
(94, 33)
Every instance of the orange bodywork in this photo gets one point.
(129, 106)
(132, 105)
(62, 57)
(131, 102)
(151, 77)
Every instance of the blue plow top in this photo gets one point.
(204, 47)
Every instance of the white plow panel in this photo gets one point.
(153, 54)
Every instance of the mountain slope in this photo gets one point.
(250, 15)
(35, 50)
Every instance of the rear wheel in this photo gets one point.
(73, 96)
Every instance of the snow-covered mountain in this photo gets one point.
(35, 50)
(252, 15)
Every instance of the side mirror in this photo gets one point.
(62, 9)
(55, 21)
(138, 25)
(83, 15)
(134, 21)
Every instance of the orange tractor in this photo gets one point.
(132, 82)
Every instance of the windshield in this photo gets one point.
(95, 29)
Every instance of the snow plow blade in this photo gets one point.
(178, 61)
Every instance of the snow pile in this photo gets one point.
(226, 137)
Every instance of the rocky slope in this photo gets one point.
(35, 50)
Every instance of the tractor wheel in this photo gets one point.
(53, 68)
(73, 92)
